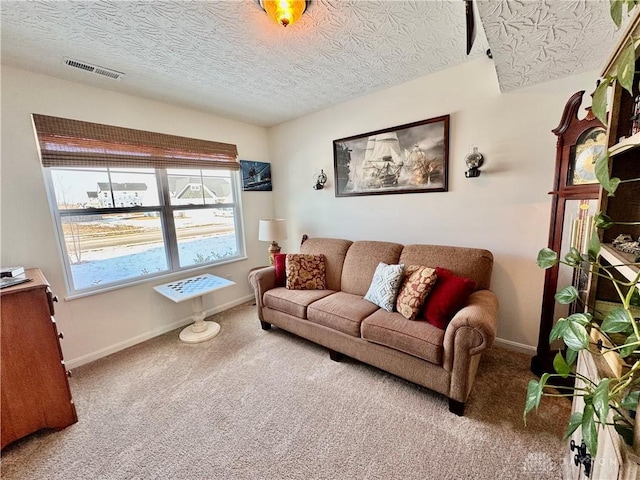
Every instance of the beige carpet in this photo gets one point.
(251, 404)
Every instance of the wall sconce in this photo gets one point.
(474, 161)
(284, 12)
(320, 181)
(271, 230)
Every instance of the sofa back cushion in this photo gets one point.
(361, 261)
(334, 251)
(473, 263)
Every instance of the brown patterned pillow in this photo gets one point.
(305, 272)
(418, 282)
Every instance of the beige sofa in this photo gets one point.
(342, 321)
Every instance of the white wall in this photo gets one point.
(505, 210)
(103, 323)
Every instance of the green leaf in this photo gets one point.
(602, 174)
(574, 422)
(582, 318)
(603, 221)
(576, 337)
(567, 295)
(616, 12)
(625, 431)
(547, 258)
(599, 102)
(558, 329)
(630, 402)
(593, 250)
(589, 430)
(572, 355)
(626, 66)
(617, 320)
(635, 298)
(628, 350)
(560, 366)
(601, 399)
(573, 258)
(534, 394)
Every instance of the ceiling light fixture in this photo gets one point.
(284, 12)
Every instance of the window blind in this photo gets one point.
(72, 143)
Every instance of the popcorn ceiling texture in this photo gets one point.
(230, 59)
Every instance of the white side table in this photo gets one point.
(195, 288)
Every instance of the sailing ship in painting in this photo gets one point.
(385, 166)
(256, 176)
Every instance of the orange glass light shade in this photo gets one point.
(284, 12)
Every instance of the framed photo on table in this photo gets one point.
(411, 158)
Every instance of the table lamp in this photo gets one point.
(271, 230)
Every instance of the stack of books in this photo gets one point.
(10, 276)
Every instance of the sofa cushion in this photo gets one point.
(447, 297)
(341, 311)
(418, 282)
(385, 285)
(473, 263)
(361, 261)
(305, 271)
(279, 260)
(334, 251)
(293, 302)
(392, 330)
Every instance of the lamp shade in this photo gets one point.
(272, 229)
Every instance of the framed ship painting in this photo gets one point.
(409, 158)
(256, 176)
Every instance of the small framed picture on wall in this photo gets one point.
(256, 176)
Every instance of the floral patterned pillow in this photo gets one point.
(305, 272)
(418, 282)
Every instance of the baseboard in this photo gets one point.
(515, 346)
(103, 352)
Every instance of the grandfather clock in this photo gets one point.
(573, 207)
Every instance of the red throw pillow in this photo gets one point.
(447, 297)
(279, 262)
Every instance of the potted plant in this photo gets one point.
(614, 333)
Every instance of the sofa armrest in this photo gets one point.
(473, 329)
(262, 280)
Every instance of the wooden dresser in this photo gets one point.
(35, 390)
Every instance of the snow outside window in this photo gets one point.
(118, 226)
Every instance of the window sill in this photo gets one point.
(156, 278)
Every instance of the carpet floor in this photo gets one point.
(254, 404)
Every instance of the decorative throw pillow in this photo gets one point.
(305, 272)
(384, 286)
(447, 297)
(279, 260)
(418, 282)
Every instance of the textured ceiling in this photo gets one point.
(228, 58)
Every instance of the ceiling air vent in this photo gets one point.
(87, 67)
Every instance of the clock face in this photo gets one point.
(590, 146)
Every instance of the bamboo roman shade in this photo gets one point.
(73, 143)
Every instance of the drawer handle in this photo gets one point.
(61, 335)
(69, 373)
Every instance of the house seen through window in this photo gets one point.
(120, 224)
(125, 211)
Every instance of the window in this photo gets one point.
(119, 224)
